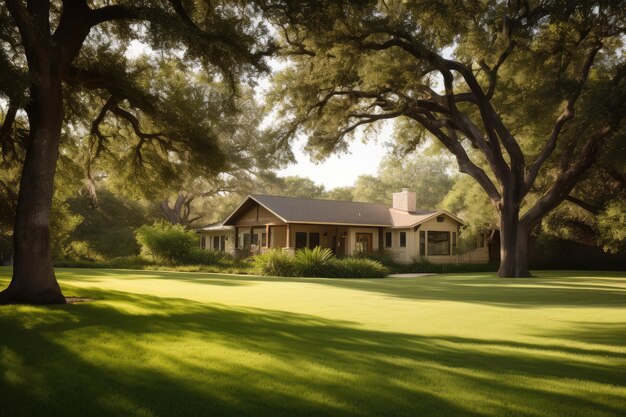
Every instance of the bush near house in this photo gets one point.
(276, 263)
(168, 244)
(316, 262)
(165, 242)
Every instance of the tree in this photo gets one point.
(60, 55)
(429, 176)
(509, 88)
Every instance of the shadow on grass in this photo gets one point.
(148, 356)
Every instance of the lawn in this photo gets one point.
(183, 344)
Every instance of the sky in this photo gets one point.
(342, 170)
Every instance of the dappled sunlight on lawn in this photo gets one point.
(450, 346)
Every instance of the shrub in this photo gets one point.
(128, 262)
(83, 250)
(199, 256)
(358, 268)
(165, 242)
(316, 262)
(384, 257)
(275, 262)
(313, 262)
(420, 265)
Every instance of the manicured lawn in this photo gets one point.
(182, 344)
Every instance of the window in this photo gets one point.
(203, 242)
(246, 240)
(264, 239)
(255, 239)
(454, 243)
(403, 239)
(222, 243)
(422, 243)
(363, 242)
(314, 240)
(388, 236)
(440, 219)
(438, 243)
(216, 243)
(300, 240)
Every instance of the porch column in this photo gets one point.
(267, 236)
(287, 240)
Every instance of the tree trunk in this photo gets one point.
(33, 278)
(513, 244)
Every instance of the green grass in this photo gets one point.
(183, 344)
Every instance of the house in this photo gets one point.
(263, 222)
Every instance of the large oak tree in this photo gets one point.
(57, 56)
(524, 94)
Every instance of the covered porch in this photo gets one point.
(342, 240)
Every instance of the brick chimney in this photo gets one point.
(404, 200)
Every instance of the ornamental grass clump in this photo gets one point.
(316, 262)
(275, 263)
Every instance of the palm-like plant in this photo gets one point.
(313, 262)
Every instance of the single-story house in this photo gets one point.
(263, 222)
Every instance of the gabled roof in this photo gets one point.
(404, 219)
(214, 226)
(314, 211)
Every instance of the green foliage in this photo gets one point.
(80, 249)
(109, 228)
(429, 176)
(122, 262)
(166, 243)
(612, 225)
(384, 257)
(198, 256)
(313, 262)
(350, 267)
(276, 263)
(422, 265)
(317, 262)
(469, 201)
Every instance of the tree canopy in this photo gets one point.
(69, 81)
(524, 94)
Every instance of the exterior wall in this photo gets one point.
(278, 236)
(351, 241)
(256, 215)
(325, 242)
(448, 225)
(405, 254)
(411, 251)
(229, 243)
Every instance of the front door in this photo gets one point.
(364, 242)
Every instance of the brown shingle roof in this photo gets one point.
(309, 210)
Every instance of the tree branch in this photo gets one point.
(567, 180)
(463, 160)
(583, 204)
(566, 115)
(6, 144)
